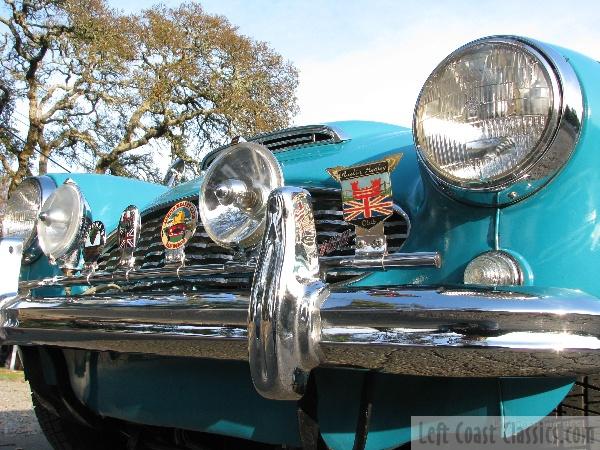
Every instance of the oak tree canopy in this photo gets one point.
(86, 84)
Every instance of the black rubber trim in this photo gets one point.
(364, 413)
(308, 422)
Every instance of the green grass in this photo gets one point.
(11, 375)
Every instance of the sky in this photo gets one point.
(368, 59)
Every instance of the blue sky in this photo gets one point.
(368, 59)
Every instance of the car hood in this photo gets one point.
(306, 165)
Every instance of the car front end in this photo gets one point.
(349, 275)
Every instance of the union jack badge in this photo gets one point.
(367, 191)
(129, 233)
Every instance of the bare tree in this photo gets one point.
(99, 86)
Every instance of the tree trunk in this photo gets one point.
(35, 126)
(23, 159)
(43, 163)
(104, 163)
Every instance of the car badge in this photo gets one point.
(177, 229)
(95, 239)
(367, 200)
(337, 242)
(129, 234)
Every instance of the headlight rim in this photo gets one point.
(31, 247)
(549, 156)
(66, 258)
(254, 240)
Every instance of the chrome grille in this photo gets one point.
(201, 249)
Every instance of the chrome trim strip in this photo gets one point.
(284, 324)
(419, 259)
(335, 134)
(102, 277)
(333, 131)
(401, 330)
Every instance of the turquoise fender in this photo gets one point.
(107, 197)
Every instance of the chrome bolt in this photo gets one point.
(512, 195)
(378, 242)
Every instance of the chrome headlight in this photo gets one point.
(498, 118)
(62, 221)
(234, 191)
(22, 211)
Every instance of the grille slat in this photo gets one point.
(202, 250)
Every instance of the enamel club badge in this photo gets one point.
(367, 191)
(177, 229)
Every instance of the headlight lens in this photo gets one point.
(489, 112)
(61, 221)
(22, 211)
(234, 193)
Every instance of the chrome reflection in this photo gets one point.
(283, 322)
(443, 332)
(11, 251)
(328, 263)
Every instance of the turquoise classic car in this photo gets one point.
(318, 286)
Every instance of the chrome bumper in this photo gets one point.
(292, 322)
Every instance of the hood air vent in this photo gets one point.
(289, 138)
(294, 137)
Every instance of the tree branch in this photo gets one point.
(6, 165)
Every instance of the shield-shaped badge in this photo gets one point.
(367, 191)
(367, 201)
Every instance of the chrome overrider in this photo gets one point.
(284, 324)
(291, 321)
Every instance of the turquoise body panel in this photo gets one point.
(555, 233)
(557, 230)
(107, 197)
(218, 397)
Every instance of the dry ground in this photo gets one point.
(18, 426)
